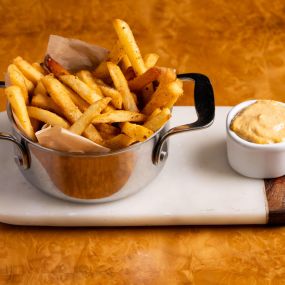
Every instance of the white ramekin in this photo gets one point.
(251, 159)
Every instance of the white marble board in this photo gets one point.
(196, 187)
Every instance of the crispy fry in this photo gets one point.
(17, 78)
(77, 100)
(147, 93)
(109, 108)
(150, 60)
(157, 121)
(28, 70)
(119, 141)
(119, 116)
(107, 131)
(86, 77)
(130, 73)
(167, 75)
(137, 132)
(61, 97)
(164, 96)
(143, 80)
(175, 90)
(115, 56)
(116, 96)
(121, 85)
(129, 45)
(54, 67)
(43, 101)
(40, 89)
(154, 113)
(135, 98)
(84, 121)
(47, 117)
(100, 82)
(92, 134)
(125, 63)
(39, 68)
(83, 90)
(16, 99)
(29, 84)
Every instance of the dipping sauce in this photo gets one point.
(263, 122)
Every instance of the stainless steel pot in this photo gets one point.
(93, 177)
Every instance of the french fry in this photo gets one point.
(28, 70)
(47, 117)
(44, 102)
(86, 77)
(157, 121)
(109, 108)
(77, 100)
(54, 67)
(40, 89)
(119, 116)
(39, 68)
(107, 131)
(150, 60)
(125, 63)
(121, 85)
(100, 82)
(29, 84)
(130, 73)
(61, 97)
(167, 75)
(119, 141)
(129, 45)
(135, 98)
(115, 56)
(116, 96)
(143, 80)
(16, 99)
(17, 78)
(137, 132)
(154, 113)
(83, 90)
(84, 121)
(147, 93)
(164, 96)
(175, 90)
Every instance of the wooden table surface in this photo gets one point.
(240, 46)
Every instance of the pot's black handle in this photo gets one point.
(205, 108)
(2, 84)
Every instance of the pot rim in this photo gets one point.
(77, 154)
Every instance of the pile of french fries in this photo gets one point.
(124, 100)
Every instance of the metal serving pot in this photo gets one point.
(102, 177)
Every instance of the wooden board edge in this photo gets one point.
(275, 194)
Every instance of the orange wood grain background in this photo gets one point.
(240, 46)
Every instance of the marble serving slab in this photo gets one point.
(196, 187)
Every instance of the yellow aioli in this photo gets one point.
(263, 122)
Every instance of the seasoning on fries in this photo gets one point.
(123, 100)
